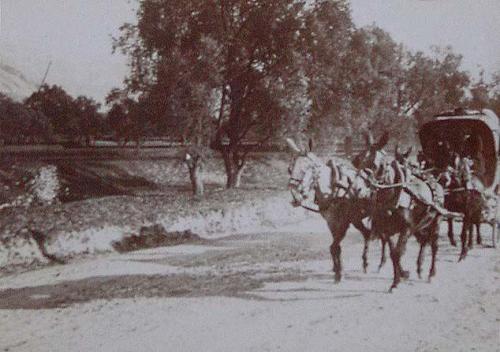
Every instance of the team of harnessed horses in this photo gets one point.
(388, 198)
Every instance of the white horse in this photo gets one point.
(339, 193)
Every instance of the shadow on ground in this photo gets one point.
(250, 267)
(68, 293)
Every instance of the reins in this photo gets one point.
(309, 208)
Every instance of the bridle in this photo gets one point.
(312, 174)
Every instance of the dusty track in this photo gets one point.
(261, 292)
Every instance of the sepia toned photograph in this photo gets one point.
(250, 175)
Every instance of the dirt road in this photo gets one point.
(257, 292)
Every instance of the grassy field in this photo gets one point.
(94, 172)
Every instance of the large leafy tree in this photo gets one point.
(395, 90)
(433, 84)
(230, 70)
(59, 107)
(327, 38)
(75, 120)
(372, 68)
(232, 67)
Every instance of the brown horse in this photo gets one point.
(402, 206)
(430, 234)
(458, 199)
(465, 195)
(337, 193)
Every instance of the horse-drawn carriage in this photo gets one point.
(457, 177)
(465, 145)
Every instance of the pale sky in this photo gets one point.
(471, 27)
(76, 35)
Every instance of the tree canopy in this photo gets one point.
(230, 70)
(74, 119)
(20, 124)
(221, 72)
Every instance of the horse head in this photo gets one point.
(402, 157)
(309, 176)
(373, 157)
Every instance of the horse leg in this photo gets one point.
(470, 237)
(395, 264)
(434, 248)
(479, 239)
(451, 236)
(365, 255)
(366, 236)
(401, 249)
(382, 256)
(420, 258)
(463, 238)
(336, 250)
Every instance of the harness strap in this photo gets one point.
(336, 174)
(442, 211)
(404, 185)
(309, 208)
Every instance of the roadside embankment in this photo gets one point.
(94, 226)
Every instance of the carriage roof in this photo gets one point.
(454, 127)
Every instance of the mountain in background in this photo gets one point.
(14, 84)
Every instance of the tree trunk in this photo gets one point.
(195, 166)
(196, 180)
(237, 177)
(234, 166)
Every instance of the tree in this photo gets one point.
(12, 118)
(89, 119)
(194, 158)
(485, 95)
(59, 108)
(128, 118)
(39, 128)
(328, 35)
(73, 119)
(19, 124)
(116, 120)
(244, 53)
(372, 68)
(392, 89)
(434, 84)
(494, 93)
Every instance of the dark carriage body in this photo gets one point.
(475, 135)
(463, 132)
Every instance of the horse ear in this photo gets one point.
(293, 146)
(382, 141)
(310, 144)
